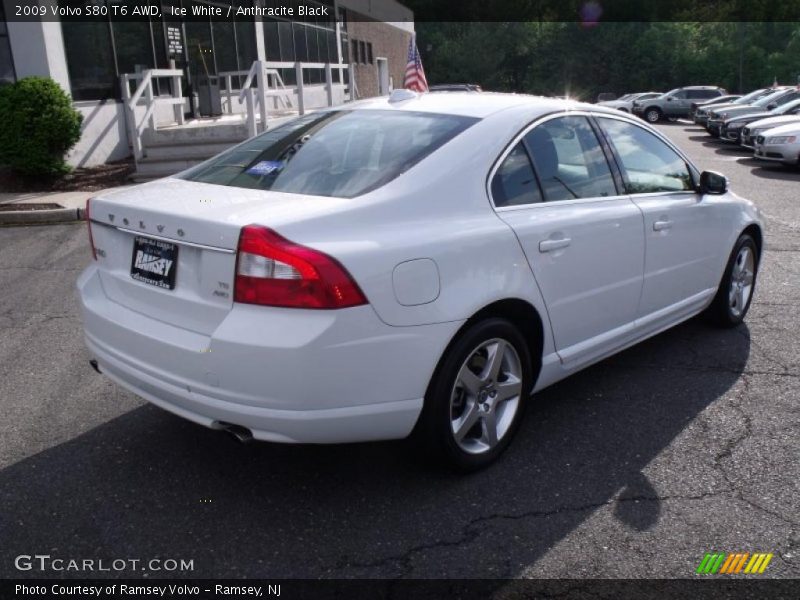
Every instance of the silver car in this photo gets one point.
(780, 144)
(625, 103)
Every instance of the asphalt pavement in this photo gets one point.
(636, 467)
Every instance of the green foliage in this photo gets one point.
(558, 58)
(39, 125)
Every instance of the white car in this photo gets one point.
(779, 144)
(417, 264)
(625, 103)
(752, 130)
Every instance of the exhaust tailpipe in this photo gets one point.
(94, 365)
(241, 434)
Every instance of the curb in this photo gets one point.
(32, 217)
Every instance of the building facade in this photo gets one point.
(89, 58)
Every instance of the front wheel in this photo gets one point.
(476, 400)
(652, 115)
(735, 292)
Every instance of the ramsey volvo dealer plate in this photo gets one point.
(154, 262)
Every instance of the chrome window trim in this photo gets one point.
(589, 114)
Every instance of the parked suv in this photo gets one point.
(675, 103)
(626, 102)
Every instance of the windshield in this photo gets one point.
(763, 101)
(785, 108)
(746, 99)
(338, 153)
(627, 97)
(669, 93)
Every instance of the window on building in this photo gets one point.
(369, 53)
(246, 51)
(355, 57)
(99, 52)
(362, 52)
(6, 60)
(311, 40)
(271, 40)
(90, 60)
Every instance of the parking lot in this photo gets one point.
(636, 467)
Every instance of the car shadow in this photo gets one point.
(767, 170)
(148, 484)
(721, 147)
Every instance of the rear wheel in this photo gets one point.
(475, 402)
(735, 292)
(652, 115)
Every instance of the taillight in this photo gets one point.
(273, 271)
(89, 227)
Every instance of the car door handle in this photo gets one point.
(550, 245)
(662, 225)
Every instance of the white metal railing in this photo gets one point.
(145, 88)
(275, 87)
(263, 81)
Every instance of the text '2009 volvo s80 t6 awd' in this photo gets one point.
(411, 265)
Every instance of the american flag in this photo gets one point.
(415, 74)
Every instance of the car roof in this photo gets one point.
(468, 104)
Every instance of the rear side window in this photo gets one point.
(341, 153)
(568, 159)
(703, 94)
(514, 183)
(648, 164)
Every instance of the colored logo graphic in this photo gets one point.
(721, 563)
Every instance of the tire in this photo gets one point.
(652, 114)
(732, 301)
(464, 397)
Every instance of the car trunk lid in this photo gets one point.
(167, 249)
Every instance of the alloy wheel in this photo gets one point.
(486, 396)
(742, 277)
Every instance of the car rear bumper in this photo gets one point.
(288, 375)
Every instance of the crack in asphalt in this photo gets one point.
(472, 529)
(727, 452)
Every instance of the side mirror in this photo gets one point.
(669, 98)
(771, 105)
(712, 182)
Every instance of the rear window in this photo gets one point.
(341, 153)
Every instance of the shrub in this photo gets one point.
(38, 125)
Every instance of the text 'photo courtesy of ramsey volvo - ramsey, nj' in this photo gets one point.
(412, 265)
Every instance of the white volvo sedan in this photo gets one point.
(779, 144)
(411, 265)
